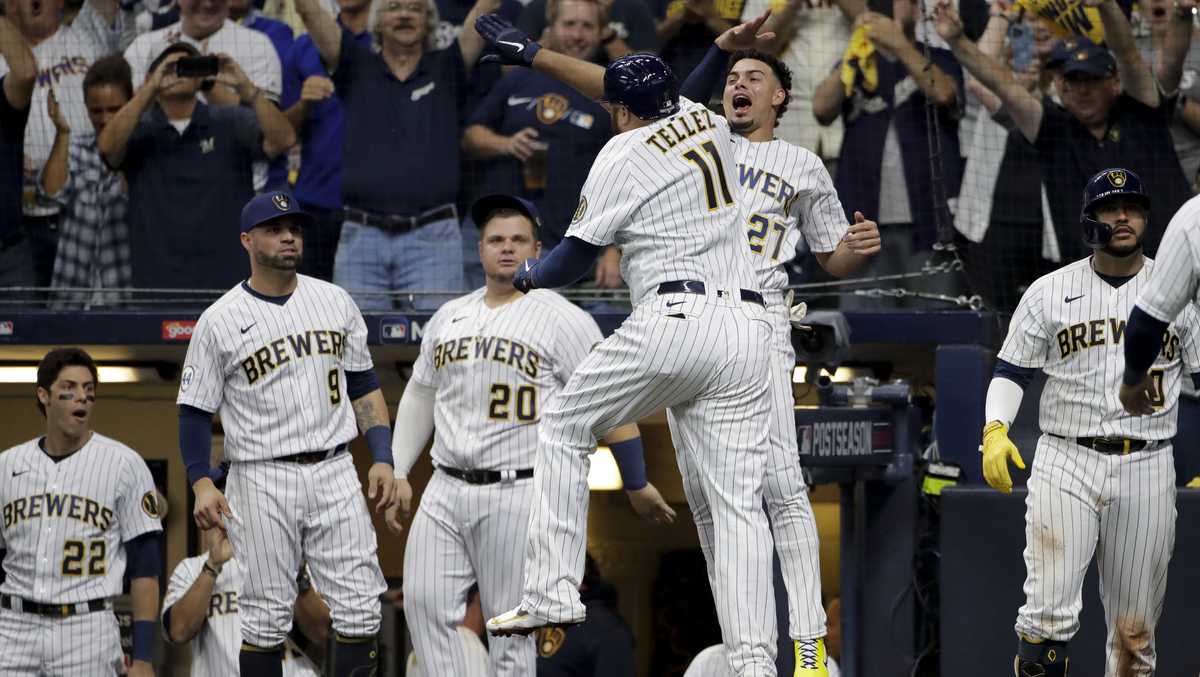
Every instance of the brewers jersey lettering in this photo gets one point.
(65, 522)
(494, 370)
(665, 195)
(1082, 503)
(215, 647)
(785, 193)
(1176, 280)
(276, 370)
(1069, 324)
(65, 525)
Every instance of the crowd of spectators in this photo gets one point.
(964, 122)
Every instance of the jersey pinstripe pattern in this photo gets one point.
(786, 193)
(665, 195)
(1081, 503)
(65, 523)
(494, 370)
(1069, 324)
(680, 233)
(65, 526)
(215, 647)
(277, 371)
(1176, 281)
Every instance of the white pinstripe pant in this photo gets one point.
(463, 534)
(1122, 510)
(86, 644)
(708, 366)
(287, 512)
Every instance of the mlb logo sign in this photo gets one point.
(806, 443)
(395, 329)
(6, 328)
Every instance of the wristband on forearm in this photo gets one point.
(631, 462)
(379, 439)
(143, 641)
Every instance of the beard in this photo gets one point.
(1125, 251)
(277, 262)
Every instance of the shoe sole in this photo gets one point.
(524, 632)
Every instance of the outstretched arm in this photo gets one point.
(1136, 77)
(1176, 44)
(514, 47)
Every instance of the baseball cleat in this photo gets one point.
(811, 658)
(519, 622)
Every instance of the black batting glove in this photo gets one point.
(509, 45)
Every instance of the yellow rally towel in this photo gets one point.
(859, 58)
(1068, 17)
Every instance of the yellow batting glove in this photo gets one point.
(998, 450)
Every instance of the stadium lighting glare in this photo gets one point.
(108, 374)
(842, 375)
(603, 475)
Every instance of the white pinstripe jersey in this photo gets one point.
(495, 370)
(1176, 280)
(215, 647)
(276, 371)
(664, 193)
(786, 192)
(65, 522)
(1070, 324)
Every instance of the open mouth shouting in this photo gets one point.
(741, 103)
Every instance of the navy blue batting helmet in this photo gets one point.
(1106, 185)
(643, 83)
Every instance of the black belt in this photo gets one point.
(55, 610)
(395, 223)
(696, 287)
(1114, 445)
(311, 457)
(486, 476)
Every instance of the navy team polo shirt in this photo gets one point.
(186, 193)
(401, 152)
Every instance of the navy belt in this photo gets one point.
(1117, 446)
(55, 610)
(312, 457)
(486, 476)
(395, 223)
(697, 287)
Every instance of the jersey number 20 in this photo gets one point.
(710, 185)
(507, 400)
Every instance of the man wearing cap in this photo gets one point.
(490, 362)
(189, 167)
(284, 359)
(1113, 113)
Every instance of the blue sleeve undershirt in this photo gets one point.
(566, 264)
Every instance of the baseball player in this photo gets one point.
(1175, 283)
(490, 363)
(284, 358)
(79, 508)
(785, 193)
(1103, 482)
(696, 343)
(202, 604)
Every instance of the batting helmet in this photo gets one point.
(644, 83)
(1106, 185)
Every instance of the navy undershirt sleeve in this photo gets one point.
(706, 75)
(143, 555)
(359, 383)
(566, 264)
(1143, 341)
(1019, 375)
(195, 441)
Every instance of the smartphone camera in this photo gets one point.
(197, 67)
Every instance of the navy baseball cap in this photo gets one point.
(1080, 56)
(486, 204)
(272, 205)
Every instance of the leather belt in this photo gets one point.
(312, 457)
(486, 476)
(55, 610)
(1117, 446)
(697, 287)
(395, 223)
